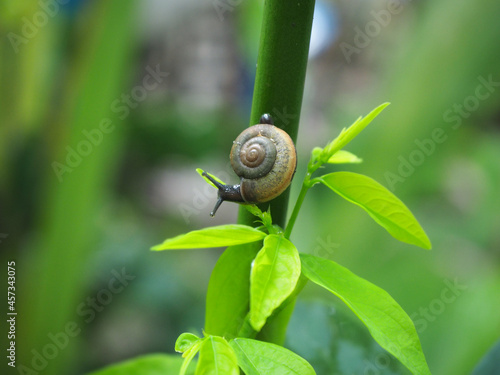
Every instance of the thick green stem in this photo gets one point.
(279, 82)
(279, 87)
(247, 329)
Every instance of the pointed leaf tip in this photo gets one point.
(387, 322)
(382, 205)
(219, 236)
(344, 157)
(347, 135)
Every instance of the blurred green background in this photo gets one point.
(107, 107)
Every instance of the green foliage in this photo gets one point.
(220, 357)
(153, 364)
(262, 271)
(189, 345)
(347, 135)
(261, 358)
(343, 157)
(217, 358)
(250, 284)
(228, 292)
(383, 206)
(185, 342)
(274, 275)
(389, 325)
(223, 235)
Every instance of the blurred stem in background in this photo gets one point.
(67, 220)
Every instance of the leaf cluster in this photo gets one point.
(277, 271)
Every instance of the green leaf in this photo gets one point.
(387, 322)
(185, 341)
(217, 358)
(265, 217)
(347, 135)
(201, 171)
(229, 290)
(383, 206)
(344, 157)
(275, 273)
(223, 235)
(262, 358)
(152, 364)
(275, 329)
(316, 153)
(189, 345)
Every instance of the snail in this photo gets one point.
(264, 157)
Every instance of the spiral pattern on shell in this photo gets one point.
(252, 155)
(264, 157)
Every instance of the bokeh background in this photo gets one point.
(107, 107)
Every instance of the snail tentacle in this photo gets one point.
(225, 193)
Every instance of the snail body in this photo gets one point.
(265, 159)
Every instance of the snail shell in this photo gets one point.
(264, 157)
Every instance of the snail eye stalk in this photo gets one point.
(230, 193)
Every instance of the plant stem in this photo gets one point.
(68, 209)
(279, 81)
(247, 329)
(279, 87)
(298, 205)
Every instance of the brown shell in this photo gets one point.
(279, 177)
